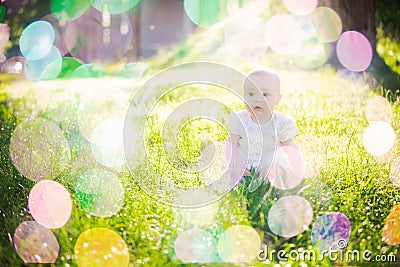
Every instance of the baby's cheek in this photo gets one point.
(248, 108)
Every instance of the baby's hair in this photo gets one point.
(263, 71)
(271, 73)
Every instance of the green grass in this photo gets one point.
(328, 108)
(389, 50)
(329, 111)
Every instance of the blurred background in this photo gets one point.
(132, 30)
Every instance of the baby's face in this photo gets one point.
(261, 93)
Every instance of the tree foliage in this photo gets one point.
(21, 13)
(388, 18)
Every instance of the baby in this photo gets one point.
(262, 138)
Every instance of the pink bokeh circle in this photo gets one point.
(50, 204)
(354, 51)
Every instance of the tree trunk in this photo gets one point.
(359, 15)
(134, 51)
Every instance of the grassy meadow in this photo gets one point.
(328, 106)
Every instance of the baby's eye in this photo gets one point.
(265, 94)
(251, 94)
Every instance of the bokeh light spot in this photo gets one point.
(37, 40)
(101, 247)
(255, 7)
(395, 171)
(87, 39)
(206, 13)
(287, 171)
(205, 248)
(99, 193)
(66, 10)
(93, 113)
(354, 51)
(50, 204)
(388, 156)
(13, 65)
(183, 245)
(245, 26)
(134, 70)
(39, 149)
(283, 34)
(302, 8)
(46, 68)
(290, 216)
(92, 70)
(328, 229)
(108, 145)
(312, 54)
(35, 243)
(115, 6)
(378, 108)
(59, 28)
(378, 138)
(391, 230)
(327, 24)
(239, 243)
(69, 65)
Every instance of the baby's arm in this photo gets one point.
(234, 138)
(287, 130)
(289, 142)
(286, 157)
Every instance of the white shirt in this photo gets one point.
(258, 142)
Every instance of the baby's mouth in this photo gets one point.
(257, 108)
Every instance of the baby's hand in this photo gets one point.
(287, 170)
(282, 159)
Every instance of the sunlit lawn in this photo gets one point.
(328, 108)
